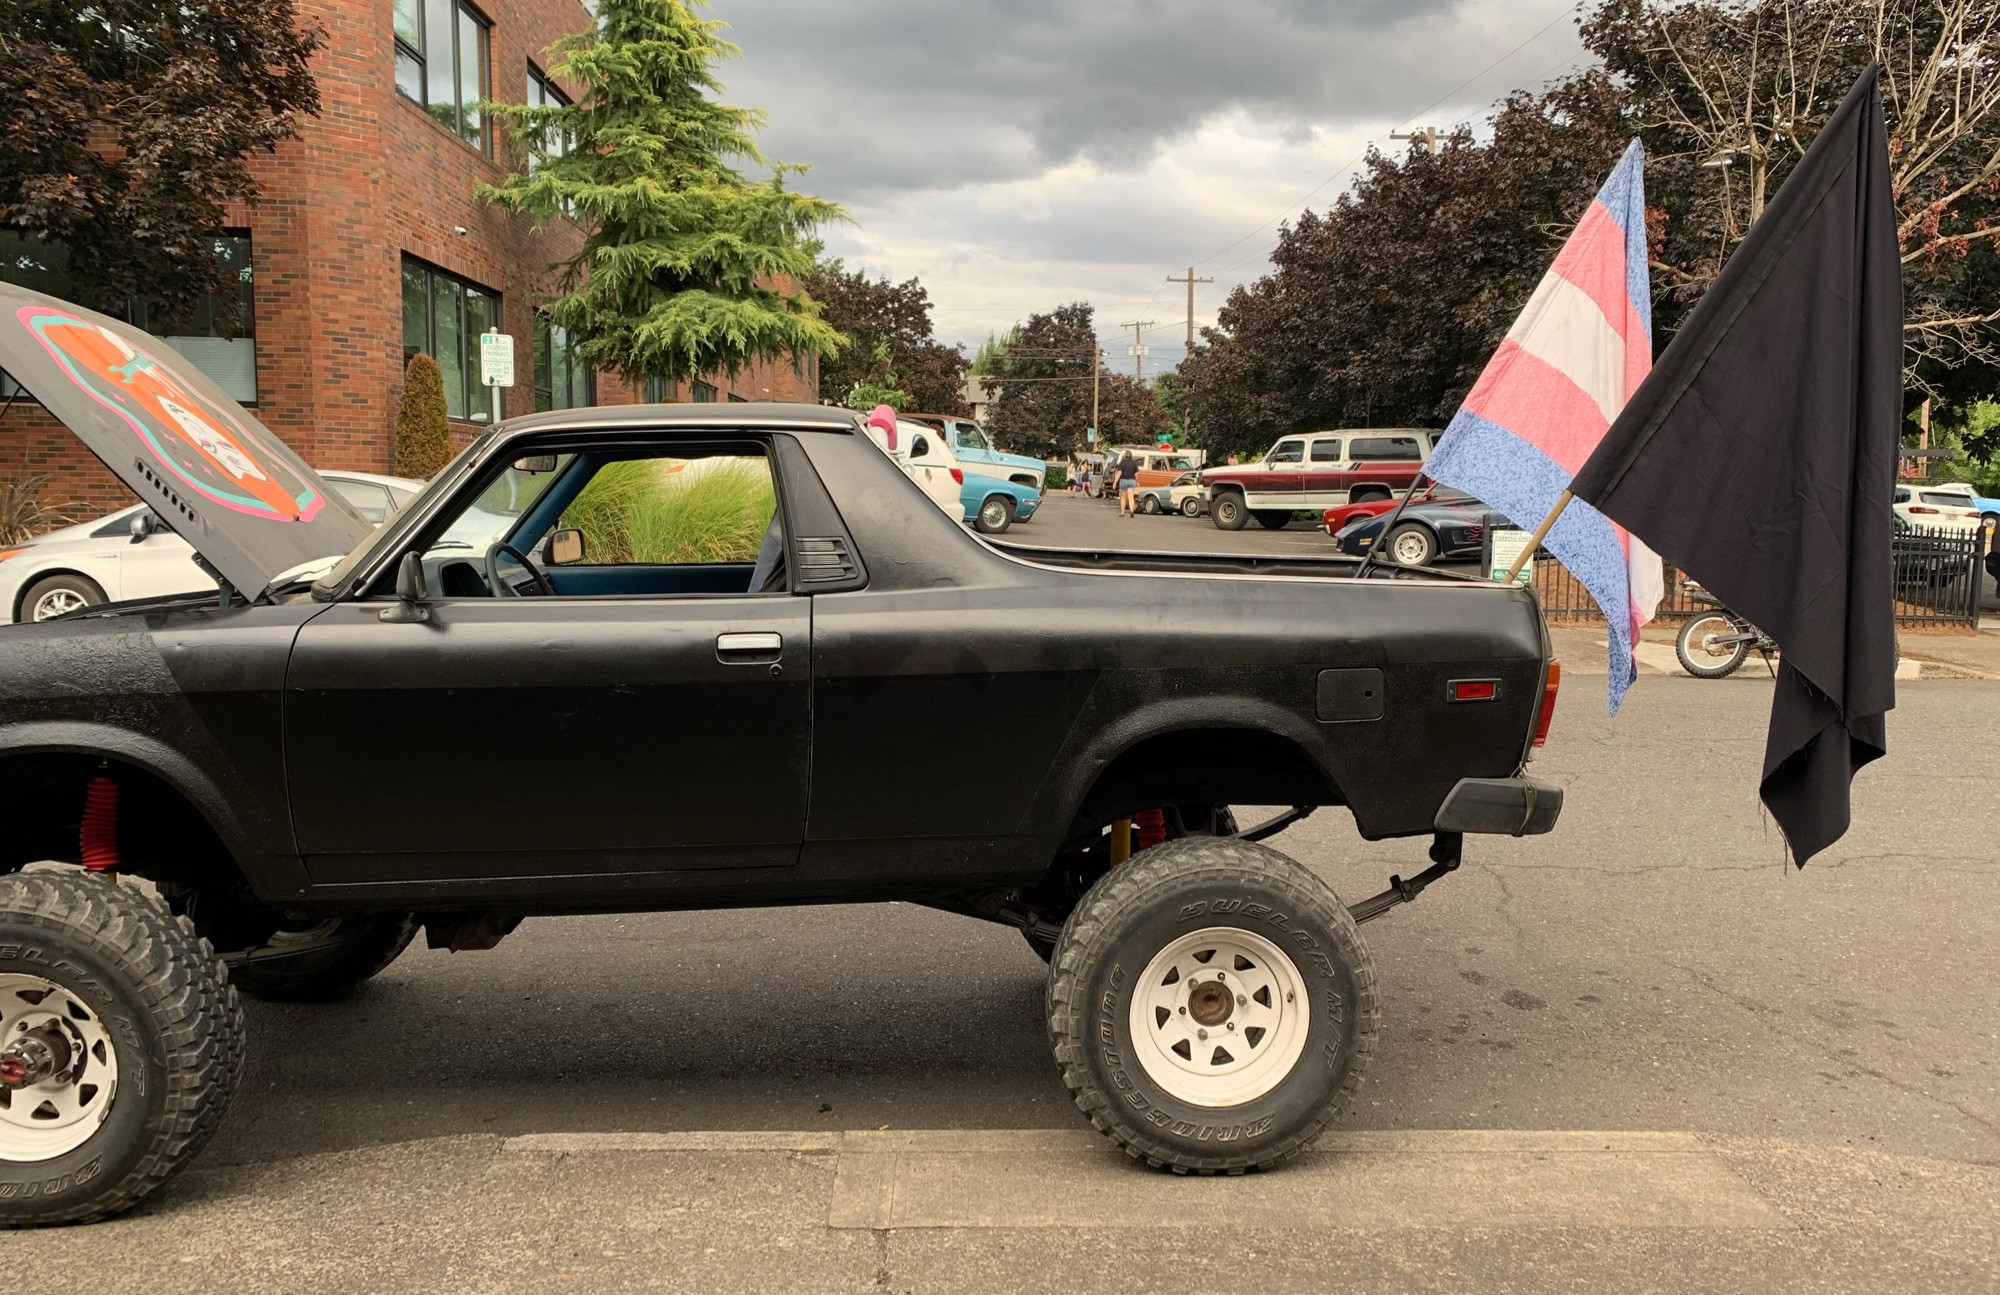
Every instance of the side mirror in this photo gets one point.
(563, 547)
(536, 463)
(411, 597)
(142, 525)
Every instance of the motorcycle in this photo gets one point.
(1713, 643)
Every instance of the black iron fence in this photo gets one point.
(1939, 575)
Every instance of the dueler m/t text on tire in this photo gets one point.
(1211, 1006)
(121, 1042)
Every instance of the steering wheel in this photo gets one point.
(500, 588)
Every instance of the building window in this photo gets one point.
(561, 380)
(441, 63)
(543, 93)
(443, 317)
(701, 392)
(230, 361)
(660, 392)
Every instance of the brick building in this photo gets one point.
(367, 240)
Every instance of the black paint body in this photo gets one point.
(943, 715)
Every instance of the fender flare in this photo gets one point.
(1071, 780)
(74, 737)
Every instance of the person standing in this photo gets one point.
(1128, 484)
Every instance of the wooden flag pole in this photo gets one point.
(1535, 540)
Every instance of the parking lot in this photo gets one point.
(1642, 1052)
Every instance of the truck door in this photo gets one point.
(1325, 480)
(624, 713)
(1280, 484)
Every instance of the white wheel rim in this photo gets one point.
(1410, 549)
(56, 1116)
(1205, 1057)
(57, 602)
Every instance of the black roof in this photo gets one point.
(727, 414)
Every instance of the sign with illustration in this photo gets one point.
(197, 443)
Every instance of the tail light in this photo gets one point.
(1548, 712)
(958, 476)
(1917, 509)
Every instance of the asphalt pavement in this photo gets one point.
(1642, 1052)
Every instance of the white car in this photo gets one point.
(924, 453)
(131, 553)
(1952, 508)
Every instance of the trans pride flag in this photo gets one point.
(1580, 348)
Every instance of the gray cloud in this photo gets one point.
(886, 95)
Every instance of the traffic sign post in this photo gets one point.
(496, 359)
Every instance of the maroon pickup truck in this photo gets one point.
(1315, 471)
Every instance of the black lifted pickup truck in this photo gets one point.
(556, 684)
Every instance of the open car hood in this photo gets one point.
(220, 478)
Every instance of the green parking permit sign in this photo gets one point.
(1502, 548)
(496, 359)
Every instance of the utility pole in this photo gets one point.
(1190, 281)
(1096, 368)
(1137, 350)
(1428, 136)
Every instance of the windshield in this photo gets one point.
(446, 479)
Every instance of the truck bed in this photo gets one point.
(1243, 564)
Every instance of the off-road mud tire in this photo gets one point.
(1227, 510)
(173, 1016)
(364, 946)
(1138, 909)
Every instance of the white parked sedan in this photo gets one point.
(132, 554)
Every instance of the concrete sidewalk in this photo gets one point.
(1041, 1210)
(1971, 655)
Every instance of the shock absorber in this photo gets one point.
(99, 843)
(1152, 825)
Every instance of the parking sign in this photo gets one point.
(496, 359)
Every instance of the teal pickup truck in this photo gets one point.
(975, 449)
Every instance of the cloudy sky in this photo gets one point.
(1017, 154)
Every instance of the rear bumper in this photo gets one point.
(1506, 806)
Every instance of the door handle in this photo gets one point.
(744, 648)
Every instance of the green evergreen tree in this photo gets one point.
(682, 270)
(423, 435)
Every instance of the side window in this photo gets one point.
(919, 447)
(1384, 449)
(664, 510)
(369, 499)
(1902, 497)
(685, 520)
(1326, 452)
(968, 437)
(1288, 452)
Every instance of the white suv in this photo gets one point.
(1948, 507)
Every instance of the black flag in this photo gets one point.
(1760, 454)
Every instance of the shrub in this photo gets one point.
(657, 510)
(23, 515)
(423, 435)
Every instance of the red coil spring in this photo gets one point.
(100, 824)
(1152, 825)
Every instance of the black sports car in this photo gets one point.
(1447, 524)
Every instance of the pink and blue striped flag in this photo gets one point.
(1580, 348)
